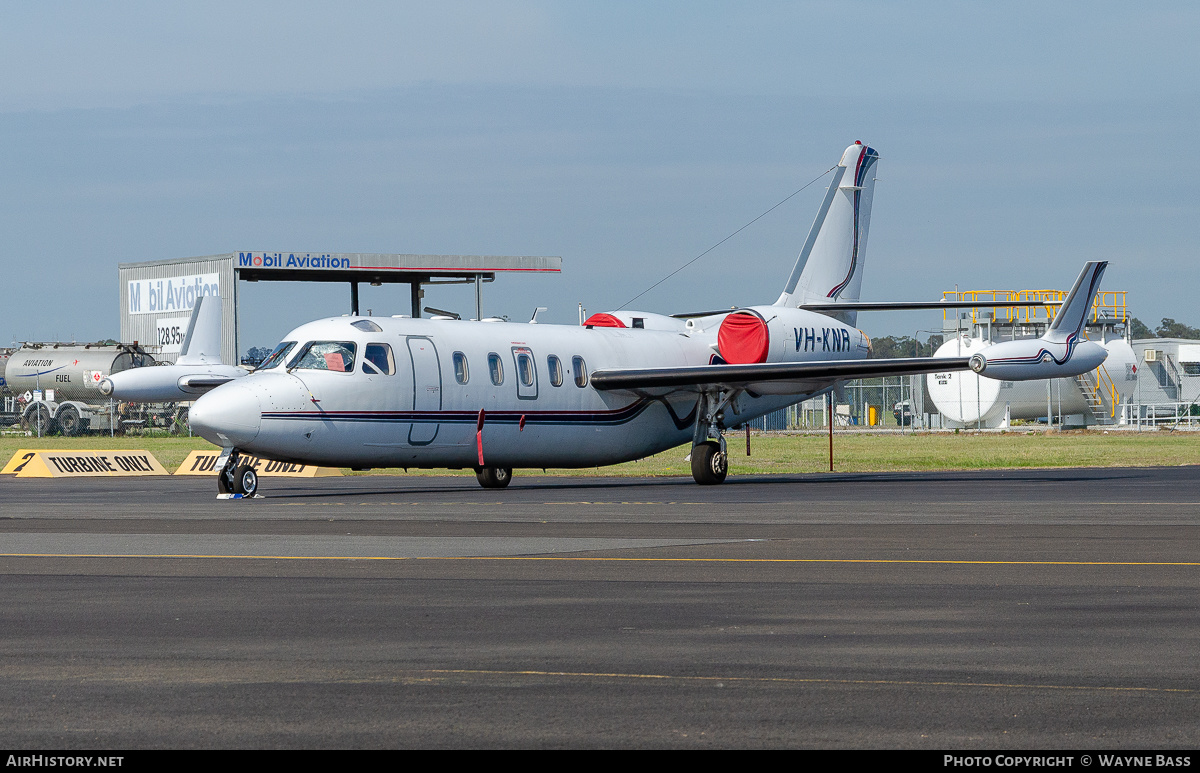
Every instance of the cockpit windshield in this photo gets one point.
(337, 356)
(277, 356)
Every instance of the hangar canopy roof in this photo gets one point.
(370, 267)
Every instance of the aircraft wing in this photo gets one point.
(767, 378)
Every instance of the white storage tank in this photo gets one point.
(966, 399)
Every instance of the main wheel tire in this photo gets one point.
(69, 422)
(709, 464)
(494, 477)
(245, 480)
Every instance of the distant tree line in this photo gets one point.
(886, 347)
(255, 356)
(1168, 329)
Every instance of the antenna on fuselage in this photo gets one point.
(443, 313)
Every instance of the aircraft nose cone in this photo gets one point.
(229, 415)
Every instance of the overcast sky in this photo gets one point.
(1018, 140)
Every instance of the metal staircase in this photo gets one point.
(1100, 393)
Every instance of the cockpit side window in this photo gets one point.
(277, 356)
(377, 359)
(337, 356)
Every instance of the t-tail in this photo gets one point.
(1062, 351)
(829, 268)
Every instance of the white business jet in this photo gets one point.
(198, 369)
(367, 392)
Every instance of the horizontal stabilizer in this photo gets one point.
(825, 308)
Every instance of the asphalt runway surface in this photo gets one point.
(1050, 609)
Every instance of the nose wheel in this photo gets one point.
(237, 479)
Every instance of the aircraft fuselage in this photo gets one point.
(543, 412)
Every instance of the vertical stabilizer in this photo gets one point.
(829, 268)
(1073, 313)
(202, 344)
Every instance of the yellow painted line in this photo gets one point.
(790, 680)
(611, 559)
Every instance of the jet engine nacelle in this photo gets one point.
(780, 334)
(1037, 358)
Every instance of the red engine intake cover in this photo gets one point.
(603, 320)
(743, 338)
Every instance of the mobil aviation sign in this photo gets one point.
(178, 293)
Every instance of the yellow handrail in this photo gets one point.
(1012, 306)
(1105, 380)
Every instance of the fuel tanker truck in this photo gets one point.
(68, 378)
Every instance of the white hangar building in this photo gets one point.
(157, 297)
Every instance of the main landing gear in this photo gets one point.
(493, 477)
(710, 460)
(237, 479)
(710, 463)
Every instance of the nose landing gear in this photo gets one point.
(236, 479)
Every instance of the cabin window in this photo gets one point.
(277, 356)
(377, 359)
(555, 366)
(496, 368)
(460, 368)
(525, 368)
(580, 368)
(337, 356)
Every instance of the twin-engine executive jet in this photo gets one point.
(367, 392)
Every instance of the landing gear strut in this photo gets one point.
(710, 461)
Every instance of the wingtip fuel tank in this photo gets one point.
(1061, 352)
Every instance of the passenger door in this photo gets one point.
(427, 390)
(526, 373)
